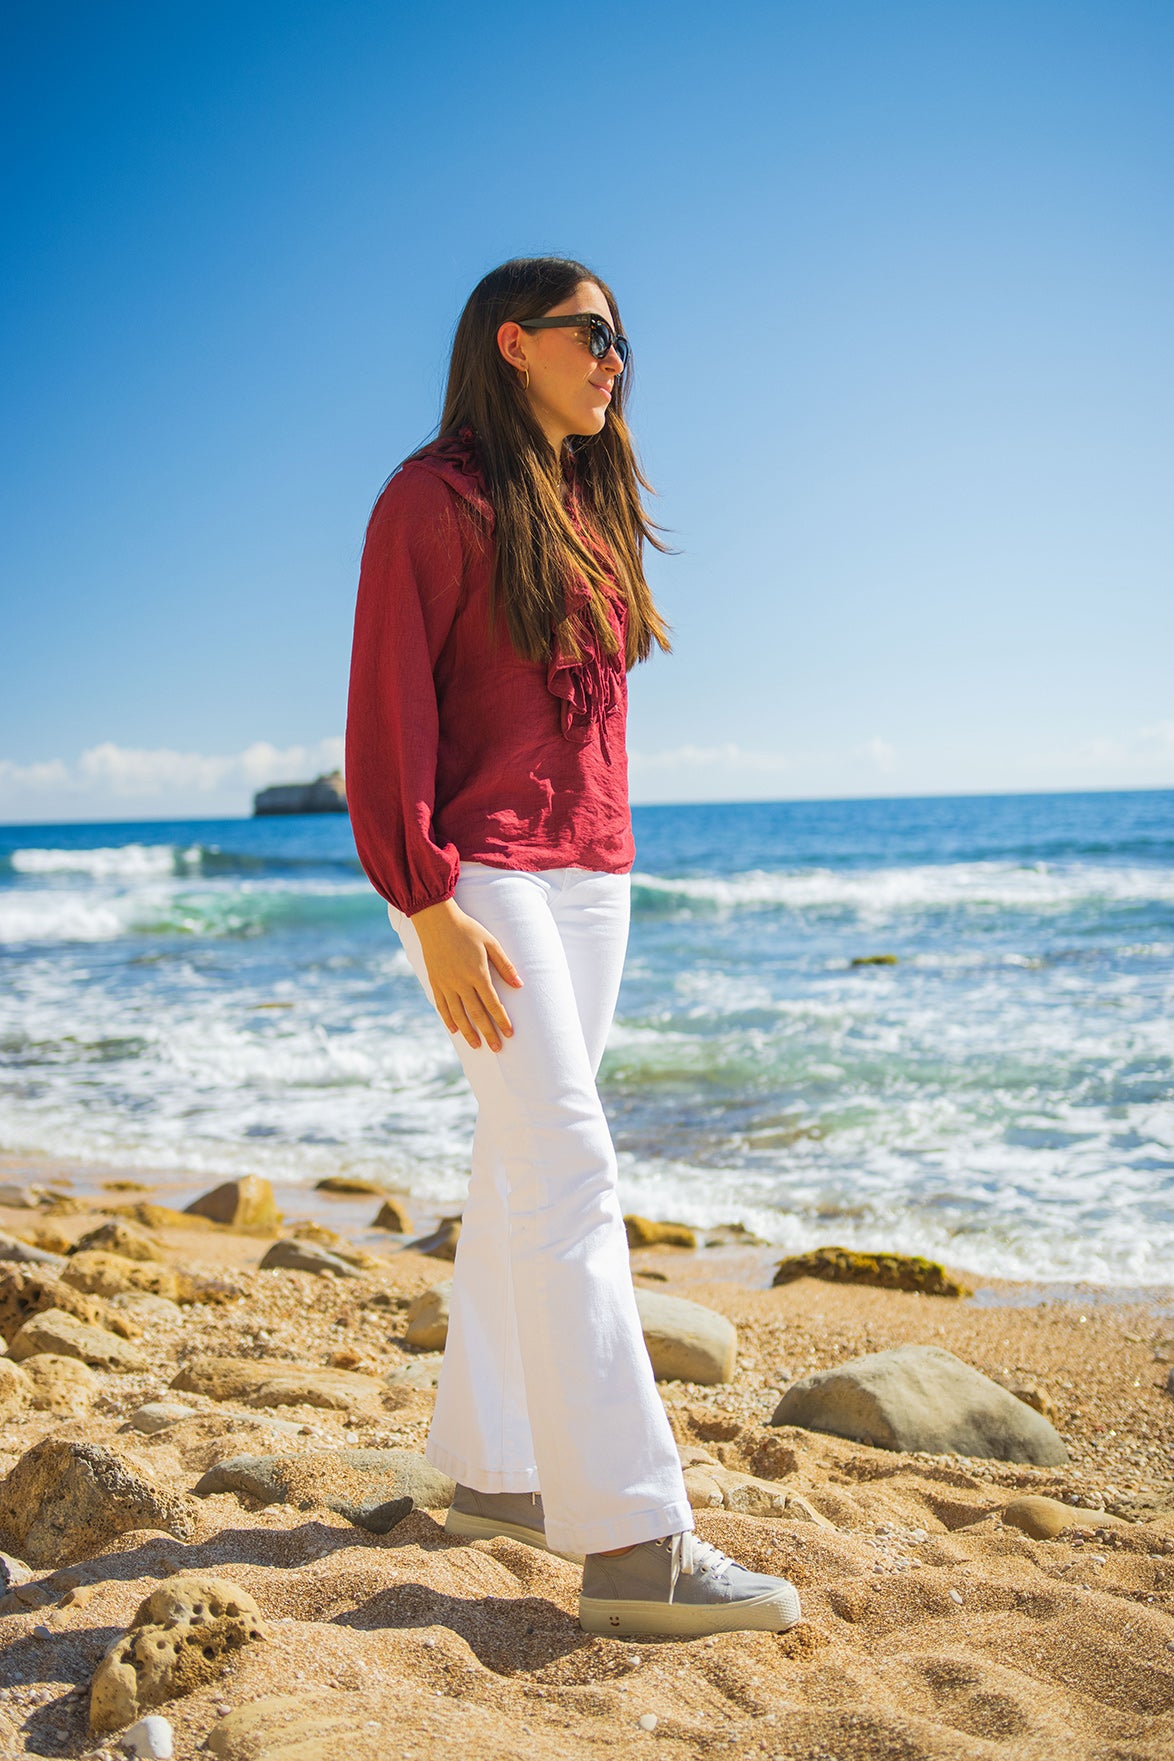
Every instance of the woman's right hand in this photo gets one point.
(458, 953)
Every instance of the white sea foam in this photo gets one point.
(880, 892)
(123, 862)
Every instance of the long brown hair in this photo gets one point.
(538, 549)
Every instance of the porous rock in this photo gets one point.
(442, 1243)
(64, 1336)
(428, 1318)
(261, 1383)
(304, 1256)
(30, 1290)
(373, 1488)
(15, 1389)
(919, 1397)
(108, 1274)
(65, 1499)
(643, 1232)
(179, 1640)
(686, 1342)
(885, 1271)
(114, 1236)
(60, 1384)
(392, 1215)
(242, 1204)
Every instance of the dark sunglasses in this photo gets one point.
(600, 335)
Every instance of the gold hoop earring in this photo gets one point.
(526, 371)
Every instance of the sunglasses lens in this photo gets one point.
(603, 338)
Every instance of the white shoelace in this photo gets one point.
(695, 1557)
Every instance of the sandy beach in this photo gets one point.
(932, 1627)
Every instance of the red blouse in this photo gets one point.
(455, 747)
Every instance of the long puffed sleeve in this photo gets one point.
(409, 592)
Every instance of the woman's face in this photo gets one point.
(569, 390)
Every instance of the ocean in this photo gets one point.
(206, 998)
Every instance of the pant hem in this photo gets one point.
(480, 1479)
(619, 1531)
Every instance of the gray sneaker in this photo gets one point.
(479, 1516)
(681, 1587)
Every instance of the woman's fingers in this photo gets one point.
(463, 1024)
(503, 963)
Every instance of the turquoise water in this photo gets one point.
(223, 996)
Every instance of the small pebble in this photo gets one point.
(956, 1596)
(151, 1739)
(42, 1632)
(647, 1721)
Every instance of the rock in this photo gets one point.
(179, 1640)
(326, 1727)
(644, 1233)
(242, 1204)
(23, 1198)
(886, 1271)
(1031, 1394)
(1045, 1518)
(442, 1243)
(151, 1739)
(919, 1397)
(392, 1215)
(419, 1372)
(119, 1238)
(24, 1253)
(701, 1488)
(60, 1384)
(349, 1186)
(303, 1256)
(109, 1274)
(15, 1389)
(373, 1488)
(686, 1342)
(267, 1383)
(146, 1308)
(66, 1499)
(13, 1571)
(733, 1235)
(156, 1415)
(61, 1334)
(428, 1318)
(152, 1216)
(874, 960)
(30, 1290)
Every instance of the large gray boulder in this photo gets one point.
(373, 1488)
(686, 1342)
(919, 1397)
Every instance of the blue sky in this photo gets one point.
(898, 279)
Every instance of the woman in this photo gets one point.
(501, 601)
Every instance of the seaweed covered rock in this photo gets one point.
(643, 1232)
(886, 1271)
(180, 1637)
(65, 1499)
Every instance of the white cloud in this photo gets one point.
(879, 754)
(114, 780)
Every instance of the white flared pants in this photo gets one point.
(546, 1383)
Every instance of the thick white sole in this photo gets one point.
(772, 1612)
(483, 1528)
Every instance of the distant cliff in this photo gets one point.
(326, 794)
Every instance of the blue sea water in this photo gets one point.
(216, 997)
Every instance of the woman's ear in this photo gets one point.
(511, 341)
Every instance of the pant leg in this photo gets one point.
(603, 1452)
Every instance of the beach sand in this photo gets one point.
(931, 1628)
